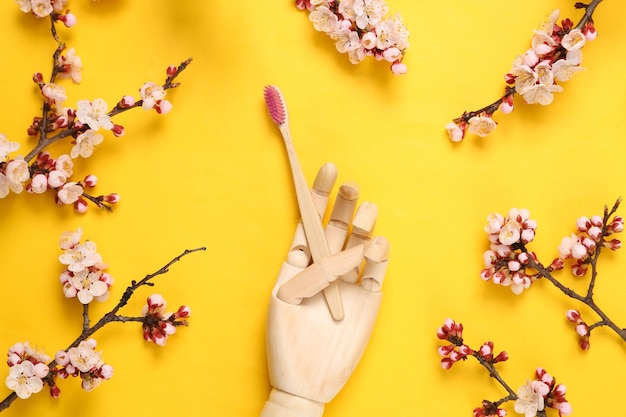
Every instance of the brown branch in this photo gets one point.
(510, 91)
(111, 316)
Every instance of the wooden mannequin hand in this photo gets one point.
(311, 355)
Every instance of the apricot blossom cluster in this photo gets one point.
(530, 399)
(44, 8)
(37, 171)
(30, 369)
(361, 28)
(554, 57)
(84, 277)
(509, 262)
(158, 323)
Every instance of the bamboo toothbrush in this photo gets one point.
(310, 218)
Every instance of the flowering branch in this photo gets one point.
(38, 171)
(531, 399)
(555, 56)
(85, 279)
(361, 28)
(508, 261)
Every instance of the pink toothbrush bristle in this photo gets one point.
(275, 104)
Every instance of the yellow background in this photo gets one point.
(214, 173)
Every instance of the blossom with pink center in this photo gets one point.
(481, 125)
(530, 398)
(40, 8)
(84, 356)
(69, 193)
(94, 114)
(573, 40)
(564, 70)
(71, 65)
(324, 20)
(65, 165)
(346, 40)
(360, 28)
(17, 173)
(89, 286)
(86, 143)
(81, 257)
(23, 380)
(54, 94)
(369, 12)
(151, 94)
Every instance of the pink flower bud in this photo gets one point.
(523, 258)
(589, 243)
(56, 178)
(579, 251)
(613, 244)
(38, 78)
(557, 264)
(90, 180)
(118, 130)
(486, 350)
(68, 19)
(155, 301)
(106, 278)
(41, 370)
(596, 221)
(583, 224)
(584, 343)
(617, 225)
(590, 32)
(62, 358)
(126, 102)
(112, 198)
(572, 315)
(486, 273)
(527, 235)
(579, 270)
(514, 266)
(106, 371)
(465, 350)
(559, 390)
(456, 356)
(38, 184)
(564, 408)
(502, 357)
(80, 206)
(499, 278)
(399, 68)
(446, 363)
(55, 391)
(595, 233)
(171, 71)
(455, 132)
(13, 358)
(582, 329)
(445, 350)
(507, 103)
(163, 107)
(183, 312)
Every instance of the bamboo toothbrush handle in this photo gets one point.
(312, 223)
